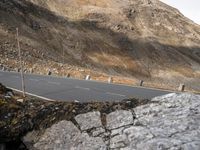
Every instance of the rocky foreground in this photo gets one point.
(167, 122)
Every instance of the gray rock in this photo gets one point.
(119, 119)
(98, 131)
(89, 120)
(60, 136)
(157, 144)
(119, 141)
(118, 131)
(192, 146)
(89, 143)
(31, 138)
(129, 137)
(170, 122)
(137, 133)
(65, 135)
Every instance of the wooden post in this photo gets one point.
(63, 53)
(21, 64)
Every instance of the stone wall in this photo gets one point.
(167, 122)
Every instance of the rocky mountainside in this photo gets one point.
(132, 38)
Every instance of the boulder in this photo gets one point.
(65, 135)
(89, 120)
(119, 118)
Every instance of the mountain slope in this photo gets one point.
(133, 38)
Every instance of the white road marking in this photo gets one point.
(115, 94)
(78, 87)
(56, 83)
(34, 80)
(41, 97)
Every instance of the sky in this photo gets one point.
(189, 8)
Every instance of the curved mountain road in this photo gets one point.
(68, 89)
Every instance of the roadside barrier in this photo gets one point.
(110, 80)
(87, 77)
(68, 75)
(181, 87)
(141, 82)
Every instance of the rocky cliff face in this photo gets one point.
(134, 38)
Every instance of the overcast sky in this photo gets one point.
(189, 8)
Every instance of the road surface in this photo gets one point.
(67, 89)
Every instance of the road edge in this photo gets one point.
(34, 95)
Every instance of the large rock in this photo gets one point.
(65, 135)
(89, 120)
(119, 118)
(60, 136)
(169, 122)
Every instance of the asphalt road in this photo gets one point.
(68, 89)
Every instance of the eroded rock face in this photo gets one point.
(169, 122)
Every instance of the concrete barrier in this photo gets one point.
(181, 87)
(31, 70)
(110, 80)
(87, 77)
(68, 75)
(17, 70)
(49, 73)
(141, 82)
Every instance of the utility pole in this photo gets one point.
(21, 65)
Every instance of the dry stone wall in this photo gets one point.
(168, 122)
